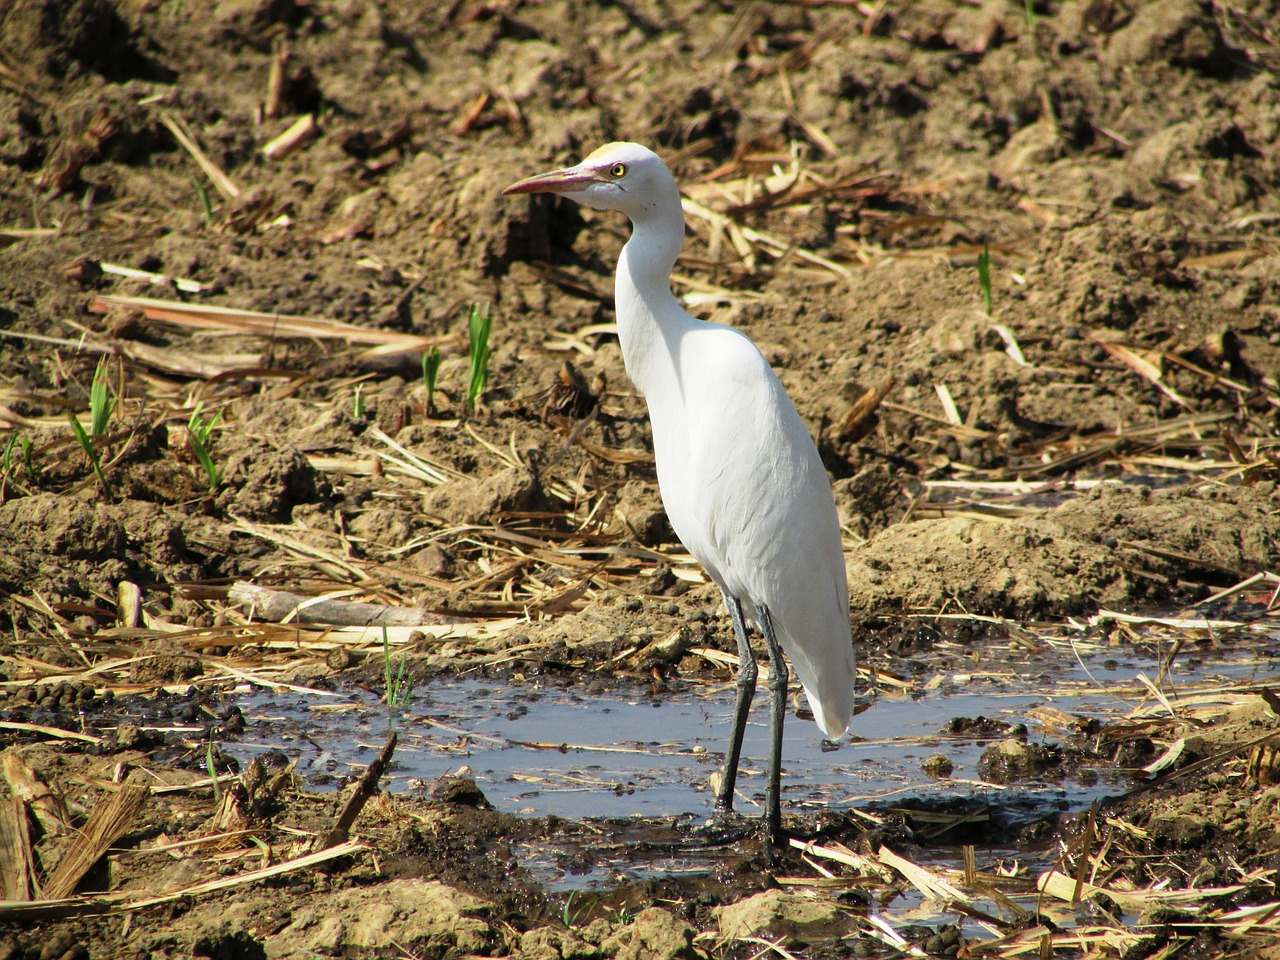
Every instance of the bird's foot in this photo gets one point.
(775, 839)
(725, 829)
(728, 828)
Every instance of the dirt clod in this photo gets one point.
(654, 933)
(426, 917)
(1012, 760)
(937, 765)
(777, 913)
(460, 790)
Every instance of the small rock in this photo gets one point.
(945, 943)
(937, 766)
(515, 489)
(779, 914)
(1012, 760)
(434, 561)
(460, 790)
(976, 727)
(167, 661)
(551, 943)
(129, 736)
(655, 934)
(58, 943)
(263, 483)
(232, 722)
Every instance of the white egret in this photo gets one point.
(740, 476)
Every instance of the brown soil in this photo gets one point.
(1120, 160)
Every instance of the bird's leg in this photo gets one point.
(747, 672)
(778, 678)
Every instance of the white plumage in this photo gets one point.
(740, 477)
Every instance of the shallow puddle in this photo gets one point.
(587, 750)
(538, 749)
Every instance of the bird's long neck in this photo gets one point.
(649, 318)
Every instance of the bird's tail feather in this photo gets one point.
(832, 718)
(829, 690)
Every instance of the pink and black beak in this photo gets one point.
(569, 180)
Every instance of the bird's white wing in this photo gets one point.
(748, 496)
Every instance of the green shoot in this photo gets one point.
(430, 370)
(7, 463)
(101, 403)
(357, 405)
(399, 684)
(479, 322)
(87, 445)
(1029, 7)
(206, 207)
(403, 691)
(386, 667)
(620, 916)
(28, 460)
(213, 770)
(571, 916)
(984, 276)
(199, 430)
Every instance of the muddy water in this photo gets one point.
(539, 748)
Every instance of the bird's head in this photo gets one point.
(618, 176)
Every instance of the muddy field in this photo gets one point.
(1103, 434)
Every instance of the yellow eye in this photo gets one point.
(618, 171)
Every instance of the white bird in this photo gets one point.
(740, 477)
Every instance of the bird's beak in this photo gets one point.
(568, 180)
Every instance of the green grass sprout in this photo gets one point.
(199, 430)
(576, 915)
(206, 207)
(6, 464)
(212, 768)
(568, 915)
(1029, 7)
(87, 444)
(479, 323)
(399, 684)
(357, 405)
(984, 276)
(18, 454)
(28, 460)
(101, 403)
(430, 370)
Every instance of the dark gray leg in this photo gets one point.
(778, 677)
(747, 672)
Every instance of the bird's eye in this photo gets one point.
(618, 171)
